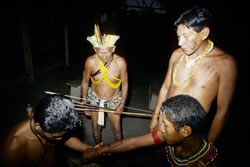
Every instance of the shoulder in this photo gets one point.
(224, 60)
(14, 143)
(120, 60)
(90, 61)
(18, 134)
(17, 142)
(177, 53)
(13, 149)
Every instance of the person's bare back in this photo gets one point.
(22, 148)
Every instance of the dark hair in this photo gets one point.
(184, 110)
(196, 18)
(56, 113)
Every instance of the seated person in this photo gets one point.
(32, 142)
(181, 119)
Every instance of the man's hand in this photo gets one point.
(92, 153)
(153, 124)
(89, 154)
(87, 113)
(119, 109)
(99, 145)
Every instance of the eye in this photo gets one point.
(165, 125)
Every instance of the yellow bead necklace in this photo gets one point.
(194, 68)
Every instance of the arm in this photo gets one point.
(76, 144)
(124, 87)
(226, 89)
(162, 95)
(128, 144)
(13, 151)
(85, 81)
(123, 145)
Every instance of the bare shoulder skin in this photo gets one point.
(22, 148)
(19, 145)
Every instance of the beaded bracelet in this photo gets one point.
(122, 103)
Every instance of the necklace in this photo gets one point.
(191, 64)
(33, 131)
(44, 153)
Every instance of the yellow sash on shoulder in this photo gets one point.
(104, 71)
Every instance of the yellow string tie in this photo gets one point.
(104, 71)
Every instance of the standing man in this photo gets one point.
(109, 83)
(33, 141)
(200, 69)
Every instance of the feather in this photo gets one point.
(98, 34)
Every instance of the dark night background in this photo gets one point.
(146, 41)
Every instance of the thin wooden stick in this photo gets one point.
(90, 107)
(78, 102)
(78, 98)
(138, 109)
(112, 111)
(86, 109)
(73, 97)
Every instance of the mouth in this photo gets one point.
(184, 49)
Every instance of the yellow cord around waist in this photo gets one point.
(104, 71)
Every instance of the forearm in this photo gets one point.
(124, 145)
(154, 121)
(217, 126)
(161, 98)
(124, 93)
(84, 89)
(128, 144)
(76, 144)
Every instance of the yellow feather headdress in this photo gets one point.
(107, 40)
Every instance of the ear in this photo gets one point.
(186, 131)
(205, 33)
(113, 49)
(37, 126)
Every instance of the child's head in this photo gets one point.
(182, 115)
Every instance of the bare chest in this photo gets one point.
(111, 72)
(203, 82)
(200, 74)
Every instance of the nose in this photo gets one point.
(161, 127)
(106, 56)
(180, 41)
